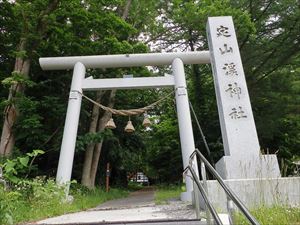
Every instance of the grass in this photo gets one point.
(134, 186)
(25, 210)
(165, 193)
(82, 201)
(276, 215)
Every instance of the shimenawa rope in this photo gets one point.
(126, 112)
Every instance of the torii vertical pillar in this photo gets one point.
(66, 157)
(185, 124)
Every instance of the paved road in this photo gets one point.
(158, 222)
(138, 208)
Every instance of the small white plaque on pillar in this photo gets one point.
(239, 135)
(74, 95)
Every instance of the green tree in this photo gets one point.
(30, 32)
(268, 35)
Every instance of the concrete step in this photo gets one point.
(167, 223)
(147, 222)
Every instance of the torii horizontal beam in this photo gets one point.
(126, 60)
(128, 83)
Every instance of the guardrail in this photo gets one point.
(204, 195)
(230, 194)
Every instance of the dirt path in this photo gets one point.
(140, 198)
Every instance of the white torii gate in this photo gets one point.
(79, 64)
(241, 146)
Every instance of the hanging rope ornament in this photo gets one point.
(110, 124)
(129, 127)
(129, 112)
(146, 121)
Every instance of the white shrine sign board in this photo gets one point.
(242, 151)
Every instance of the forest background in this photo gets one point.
(33, 102)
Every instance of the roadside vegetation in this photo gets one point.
(31, 200)
(24, 199)
(276, 215)
(164, 193)
(134, 186)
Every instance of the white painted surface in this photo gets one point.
(184, 123)
(126, 60)
(224, 218)
(175, 210)
(66, 157)
(255, 192)
(263, 166)
(128, 83)
(135, 214)
(239, 134)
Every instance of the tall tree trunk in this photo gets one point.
(89, 152)
(98, 147)
(93, 152)
(10, 112)
(126, 10)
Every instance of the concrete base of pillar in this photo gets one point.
(264, 166)
(187, 196)
(255, 192)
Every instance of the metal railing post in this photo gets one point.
(196, 200)
(230, 210)
(206, 200)
(203, 174)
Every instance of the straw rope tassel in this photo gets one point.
(128, 112)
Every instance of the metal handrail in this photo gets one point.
(204, 194)
(225, 187)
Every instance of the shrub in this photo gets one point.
(8, 200)
(21, 165)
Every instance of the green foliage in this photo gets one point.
(17, 78)
(20, 54)
(276, 215)
(30, 200)
(183, 23)
(164, 162)
(268, 39)
(22, 165)
(30, 122)
(24, 194)
(90, 138)
(277, 106)
(134, 186)
(6, 207)
(165, 193)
